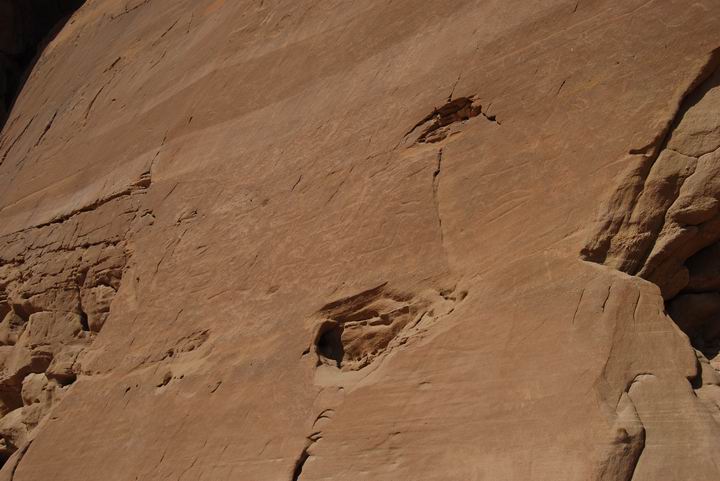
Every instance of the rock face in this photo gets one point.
(304, 241)
(663, 224)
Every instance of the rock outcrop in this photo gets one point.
(663, 224)
(304, 241)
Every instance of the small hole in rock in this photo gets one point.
(167, 377)
(329, 343)
(84, 321)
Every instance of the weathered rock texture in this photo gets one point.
(304, 241)
(663, 224)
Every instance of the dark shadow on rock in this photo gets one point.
(26, 27)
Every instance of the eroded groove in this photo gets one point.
(128, 9)
(310, 441)
(47, 128)
(19, 136)
(300, 462)
(435, 190)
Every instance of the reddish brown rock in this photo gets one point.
(313, 241)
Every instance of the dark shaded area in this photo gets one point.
(26, 26)
(300, 463)
(329, 343)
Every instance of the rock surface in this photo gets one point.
(304, 241)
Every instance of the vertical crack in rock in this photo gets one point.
(626, 447)
(14, 141)
(301, 460)
(435, 189)
(29, 26)
(438, 126)
(311, 439)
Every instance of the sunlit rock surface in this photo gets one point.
(304, 241)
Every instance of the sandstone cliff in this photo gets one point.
(436, 240)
